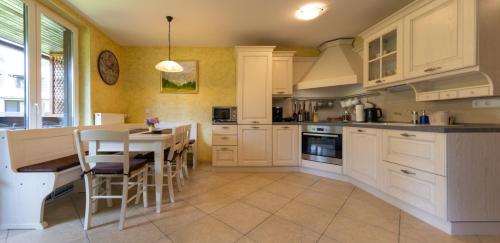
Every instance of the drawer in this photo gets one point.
(420, 189)
(450, 94)
(420, 150)
(225, 129)
(474, 92)
(428, 96)
(224, 155)
(224, 140)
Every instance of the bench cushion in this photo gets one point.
(55, 165)
(117, 168)
(192, 141)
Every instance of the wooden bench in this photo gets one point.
(33, 163)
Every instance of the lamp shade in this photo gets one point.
(169, 66)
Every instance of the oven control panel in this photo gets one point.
(330, 129)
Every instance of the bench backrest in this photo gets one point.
(28, 147)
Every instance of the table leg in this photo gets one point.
(170, 184)
(159, 176)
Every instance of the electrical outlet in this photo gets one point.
(486, 103)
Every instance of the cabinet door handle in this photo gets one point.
(281, 92)
(378, 81)
(255, 122)
(359, 130)
(408, 172)
(408, 135)
(431, 69)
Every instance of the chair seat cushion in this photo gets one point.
(55, 165)
(192, 141)
(117, 168)
(150, 157)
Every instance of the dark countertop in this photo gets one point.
(459, 128)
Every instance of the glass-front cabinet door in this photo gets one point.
(383, 60)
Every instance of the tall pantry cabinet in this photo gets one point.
(254, 99)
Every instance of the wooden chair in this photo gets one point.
(106, 166)
(185, 149)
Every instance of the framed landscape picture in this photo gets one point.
(185, 82)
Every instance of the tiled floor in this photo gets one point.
(245, 207)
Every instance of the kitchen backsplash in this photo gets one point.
(397, 106)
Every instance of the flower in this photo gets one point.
(151, 121)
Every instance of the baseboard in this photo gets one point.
(475, 228)
(255, 169)
(37, 226)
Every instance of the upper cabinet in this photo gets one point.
(439, 37)
(282, 73)
(254, 84)
(383, 58)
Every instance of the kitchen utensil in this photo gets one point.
(373, 114)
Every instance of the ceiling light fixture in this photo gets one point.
(169, 66)
(310, 11)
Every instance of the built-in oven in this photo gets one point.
(322, 143)
(224, 114)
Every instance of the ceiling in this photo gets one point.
(224, 23)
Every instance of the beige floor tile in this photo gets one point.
(489, 238)
(272, 175)
(347, 230)
(325, 239)
(266, 201)
(137, 227)
(240, 216)
(211, 181)
(276, 229)
(369, 209)
(300, 179)
(211, 201)
(3, 235)
(164, 240)
(206, 230)
(245, 239)
(283, 189)
(174, 216)
(256, 181)
(414, 230)
(323, 201)
(340, 189)
(239, 189)
(306, 216)
(231, 176)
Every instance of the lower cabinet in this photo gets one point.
(363, 151)
(225, 155)
(285, 145)
(255, 145)
(420, 189)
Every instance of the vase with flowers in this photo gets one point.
(151, 122)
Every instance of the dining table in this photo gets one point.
(143, 141)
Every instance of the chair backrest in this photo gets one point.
(94, 138)
(187, 127)
(179, 134)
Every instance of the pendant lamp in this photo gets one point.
(169, 66)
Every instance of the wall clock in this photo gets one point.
(108, 67)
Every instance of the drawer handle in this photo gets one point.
(408, 172)
(255, 127)
(281, 92)
(359, 130)
(408, 135)
(255, 122)
(224, 149)
(225, 127)
(432, 69)
(224, 138)
(285, 127)
(378, 81)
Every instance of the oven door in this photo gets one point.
(323, 148)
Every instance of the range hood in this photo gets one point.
(338, 65)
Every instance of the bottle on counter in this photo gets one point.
(294, 115)
(300, 114)
(414, 117)
(424, 118)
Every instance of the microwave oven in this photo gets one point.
(224, 114)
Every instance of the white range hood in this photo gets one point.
(338, 65)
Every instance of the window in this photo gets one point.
(37, 67)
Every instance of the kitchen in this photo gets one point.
(383, 130)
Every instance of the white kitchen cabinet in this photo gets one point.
(363, 149)
(420, 150)
(420, 189)
(224, 155)
(383, 60)
(255, 145)
(254, 84)
(282, 73)
(440, 36)
(285, 145)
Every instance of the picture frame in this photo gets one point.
(185, 82)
